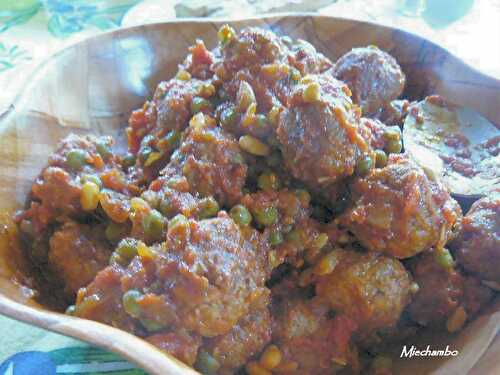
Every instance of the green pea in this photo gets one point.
(178, 221)
(151, 325)
(228, 117)
(260, 121)
(130, 301)
(206, 364)
(76, 159)
(225, 35)
(266, 216)
(364, 166)
(165, 206)
(303, 196)
(115, 231)
(26, 226)
(128, 160)
(295, 75)
(153, 224)
(340, 205)
(394, 146)
(147, 140)
(152, 198)
(274, 160)
(39, 250)
(268, 181)
(70, 310)
(91, 178)
(124, 252)
(275, 238)
(392, 134)
(103, 148)
(444, 258)
(294, 236)
(127, 248)
(199, 104)
(173, 137)
(240, 215)
(209, 208)
(144, 153)
(380, 158)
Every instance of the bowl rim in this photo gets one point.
(53, 321)
(18, 98)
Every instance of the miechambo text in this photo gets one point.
(412, 351)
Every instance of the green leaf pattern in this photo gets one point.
(10, 55)
(63, 18)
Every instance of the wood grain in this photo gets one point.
(93, 86)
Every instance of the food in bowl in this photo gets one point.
(264, 217)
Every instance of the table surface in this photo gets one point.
(32, 30)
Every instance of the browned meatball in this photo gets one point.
(319, 133)
(180, 344)
(211, 161)
(311, 342)
(477, 248)
(170, 110)
(101, 300)
(252, 46)
(305, 58)
(283, 217)
(443, 291)
(372, 290)
(227, 270)
(373, 75)
(204, 278)
(476, 295)
(77, 252)
(57, 191)
(440, 290)
(247, 338)
(399, 210)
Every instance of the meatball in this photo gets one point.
(210, 160)
(77, 252)
(440, 290)
(399, 210)
(170, 110)
(443, 290)
(101, 300)
(247, 338)
(252, 46)
(374, 77)
(221, 276)
(204, 278)
(320, 136)
(180, 344)
(311, 342)
(372, 290)
(154, 131)
(477, 248)
(304, 57)
(199, 61)
(283, 217)
(56, 192)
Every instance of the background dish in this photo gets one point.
(92, 86)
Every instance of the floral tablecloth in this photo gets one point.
(32, 30)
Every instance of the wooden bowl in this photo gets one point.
(92, 87)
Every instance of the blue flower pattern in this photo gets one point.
(70, 16)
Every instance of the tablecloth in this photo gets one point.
(32, 30)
